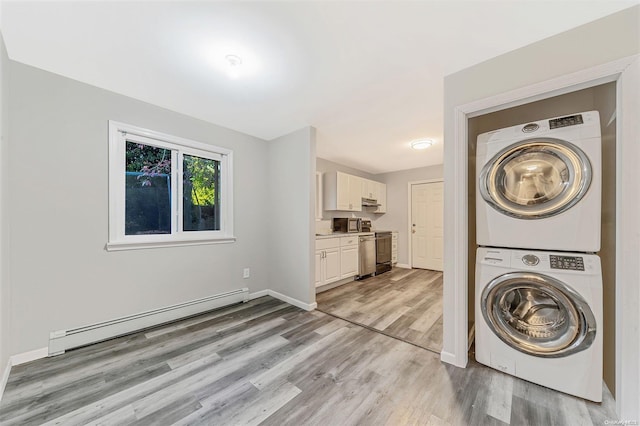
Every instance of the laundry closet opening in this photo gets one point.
(601, 98)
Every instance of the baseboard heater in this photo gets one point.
(62, 340)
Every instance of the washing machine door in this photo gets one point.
(536, 178)
(538, 315)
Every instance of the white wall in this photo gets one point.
(599, 42)
(291, 215)
(397, 216)
(60, 274)
(4, 224)
(323, 165)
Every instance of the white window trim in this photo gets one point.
(118, 134)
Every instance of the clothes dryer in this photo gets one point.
(539, 185)
(538, 316)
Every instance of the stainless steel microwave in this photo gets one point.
(346, 224)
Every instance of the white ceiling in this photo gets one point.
(367, 75)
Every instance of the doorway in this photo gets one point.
(625, 73)
(426, 230)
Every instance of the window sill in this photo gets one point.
(127, 245)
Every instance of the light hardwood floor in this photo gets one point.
(403, 303)
(266, 362)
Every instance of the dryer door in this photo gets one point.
(538, 314)
(536, 178)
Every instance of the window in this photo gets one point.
(167, 191)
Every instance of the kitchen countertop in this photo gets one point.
(342, 234)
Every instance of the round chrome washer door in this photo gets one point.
(536, 178)
(538, 315)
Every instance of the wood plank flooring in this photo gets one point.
(403, 303)
(266, 362)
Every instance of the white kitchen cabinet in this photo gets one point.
(348, 257)
(327, 261)
(336, 259)
(381, 197)
(355, 193)
(375, 191)
(342, 191)
(319, 266)
(331, 265)
(369, 188)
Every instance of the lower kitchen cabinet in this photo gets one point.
(327, 261)
(319, 266)
(348, 261)
(336, 259)
(331, 265)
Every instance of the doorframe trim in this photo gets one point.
(409, 208)
(627, 242)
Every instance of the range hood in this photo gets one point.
(370, 202)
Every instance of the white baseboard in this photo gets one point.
(448, 357)
(17, 360)
(292, 301)
(334, 284)
(403, 265)
(258, 294)
(287, 299)
(5, 378)
(29, 356)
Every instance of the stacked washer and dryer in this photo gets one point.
(538, 301)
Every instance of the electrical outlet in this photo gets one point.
(246, 273)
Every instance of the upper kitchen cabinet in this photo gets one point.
(342, 192)
(375, 191)
(381, 197)
(369, 189)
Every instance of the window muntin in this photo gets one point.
(165, 190)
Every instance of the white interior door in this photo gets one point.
(427, 225)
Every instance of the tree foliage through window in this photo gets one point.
(200, 203)
(148, 200)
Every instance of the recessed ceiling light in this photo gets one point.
(231, 60)
(421, 144)
(234, 62)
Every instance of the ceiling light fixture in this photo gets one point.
(234, 65)
(421, 144)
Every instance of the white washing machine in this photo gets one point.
(539, 185)
(538, 316)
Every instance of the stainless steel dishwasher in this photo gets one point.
(367, 252)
